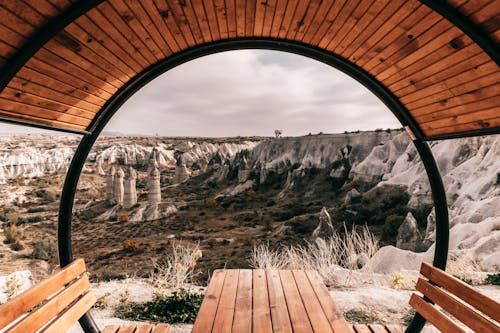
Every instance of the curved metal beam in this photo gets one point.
(123, 94)
(471, 29)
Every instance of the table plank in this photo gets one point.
(296, 309)
(223, 321)
(242, 322)
(206, 315)
(261, 313)
(277, 303)
(333, 313)
(317, 316)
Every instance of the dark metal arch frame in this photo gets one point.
(117, 100)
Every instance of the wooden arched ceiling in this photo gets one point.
(446, 81)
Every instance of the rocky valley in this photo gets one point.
(137, 195)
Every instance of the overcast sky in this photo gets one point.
(249, 92)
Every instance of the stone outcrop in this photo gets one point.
(181, 174)
(110, 179)
(153, 184)
(324, 230)
(118, 189)
(408, 234)
(129, 188)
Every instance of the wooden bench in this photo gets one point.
(467, 305)
(265, 301)
(55, 304)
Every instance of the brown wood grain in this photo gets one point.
(296, 309)
(277, 303)
(261, 316)
(66, 319)
(434, 316)
(242, 321)
(28, 299)
(161, 328)
(205, 318)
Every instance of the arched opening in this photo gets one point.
(113, 104)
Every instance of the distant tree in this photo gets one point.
(278, 133)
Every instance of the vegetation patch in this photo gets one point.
(44, 250)
(180, 307)
(493, 279)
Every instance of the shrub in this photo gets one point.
(177, 269)
(12, 234)
(101, 302)
(408, 317)
(12, 286)
(122, 217)
(180, 307)
(391, 225)
(44, 250)
(465, 268)
(493, 279)
(132, 246)
(33, 219)
(210, 202)
(17, 246)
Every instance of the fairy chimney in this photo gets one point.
(129, 188)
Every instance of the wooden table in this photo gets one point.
(265, 301)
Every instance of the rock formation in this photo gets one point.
(181, 174)
(118, 189)
(129, 188)
(110, 179)
(408, 234)
(153, 184)
(324, 230)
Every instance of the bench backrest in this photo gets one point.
(469, 306)
(54, 304)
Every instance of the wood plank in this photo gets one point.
(440, 91)
(463, 109)
(126, 329)
(341, 20)
(204, 319)
(432, 315)
(287, 23)
(364, 14)
(37, 319)
(187, 10)
(159, 22)
(135, 23)
(460, 289)
(106, 15)
(250, 17)
(268, 17)
(360, 328)
(111, 329)
(223, 321)
(279, 13)
(468, 127)
(220, 11)
(171, 22)
(146, 328)
(31, 297)
(55, 123)
(478, 117)
(231, 18)
(212, 19)
(161, 328)
(307, 18)
(149, 25)
(33, 100)
(457, 309)
(296, 309)
(277, 303)
(317, 317)
(327, 28)
(330, 308)
(377, 328)
(240, 17)
(15, 23)
(297, 24)
(260, 12)
(392, 328)
(317, 20)
(242, 322)
(261, 311)
(395, 38)
(201, 18)
(71, 315)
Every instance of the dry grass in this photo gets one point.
(324, 256)
(465, 268)
(177, 270)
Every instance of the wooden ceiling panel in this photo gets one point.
(448, 83)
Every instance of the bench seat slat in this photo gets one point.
(49, 310)
(359, 328)
(457, 309)
(126, 329)
(111, 329)
(12, 310)
(66, 319)
(462, 290)
(434, 316)
(144, 328)
(161, 328)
